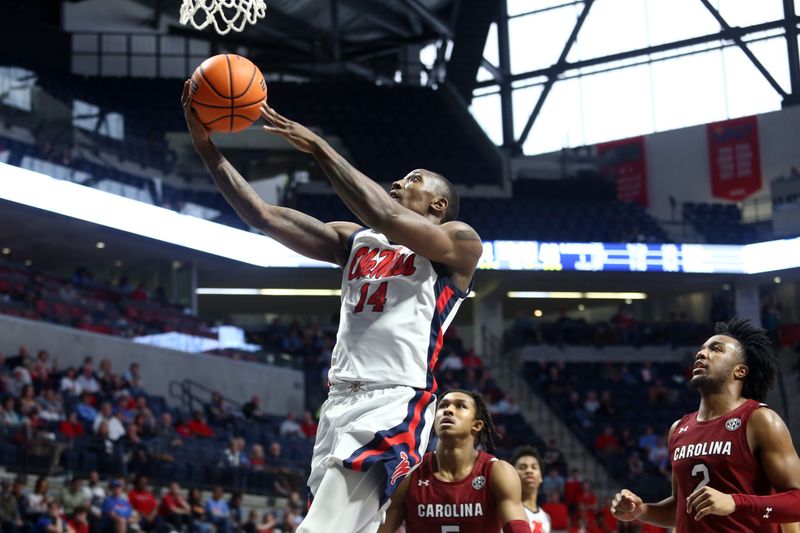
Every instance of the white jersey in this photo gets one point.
(539, 520)
(395, 310)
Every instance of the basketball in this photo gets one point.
(227, 92)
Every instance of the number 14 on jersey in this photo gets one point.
(377, 298)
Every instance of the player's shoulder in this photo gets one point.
(345, 229)
(763, 417)
(675, 425)
(461, 230)
(501, 471)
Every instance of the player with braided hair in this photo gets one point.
(460, 487)
(731, 456)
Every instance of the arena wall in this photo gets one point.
(281, 389)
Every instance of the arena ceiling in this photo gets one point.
(315, 37)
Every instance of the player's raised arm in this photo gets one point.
(396, 513)
(507, 491)
(453, 243)
(772, 443)
(627, 506)
(300, 232)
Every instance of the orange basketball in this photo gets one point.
(227, 91)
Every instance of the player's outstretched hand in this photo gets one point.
(706, 501)
(298, 135)
(626, 506)
(198, 132)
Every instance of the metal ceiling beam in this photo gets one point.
(506, 99)
(551, 80)
(738, 40)
(429, 18)
(631, 54)
(496, 72)
(336, 44)
(794, 56)
(357, 51)
(381, 15)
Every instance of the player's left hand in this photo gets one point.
(298, 135)
(706, 501)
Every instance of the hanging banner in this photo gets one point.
(623, 162)
(734, 157)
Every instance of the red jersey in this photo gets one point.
(716, 453)
(466, 506)
(143, 502)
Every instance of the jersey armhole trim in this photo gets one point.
(351, 239)
(444, 275)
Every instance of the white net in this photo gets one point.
(225, 15)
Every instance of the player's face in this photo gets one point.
(530, 474)
(414, 192)
(718, 361)
(455, 416)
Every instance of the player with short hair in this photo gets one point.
(732, 453)
(459, 488)
(405, 273)
(528, 463)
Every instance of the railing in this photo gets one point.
(506, 367)
(184, 391)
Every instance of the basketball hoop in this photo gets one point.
(225, 15)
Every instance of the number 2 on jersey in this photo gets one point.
(377, 300)
(703, 471)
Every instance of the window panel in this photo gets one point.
(674, 20)
(617, 104)
(536, 41)
(559, 123)
(484, 75)
(518, 7)
(747, 12)
(523, 101)
(82, 42)
(611, 26)
(486, 111)
(143, 44)
(688, 91)
(748, 93)
(773, 55)
(490, 50)
(113, 43)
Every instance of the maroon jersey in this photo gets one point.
(466, 506)
(716, 453)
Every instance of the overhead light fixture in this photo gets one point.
(581, 307)
(543, 294)
(268, 292)
(538, 313)
(6, 251)
(212, 291)
(100, 245)
(28, 262)
(776, 279)
(557, 295)
(118, 263)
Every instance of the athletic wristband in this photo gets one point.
(517, 526)
(782, 508)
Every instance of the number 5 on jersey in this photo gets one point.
(377, 300)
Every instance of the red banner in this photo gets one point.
(624, 163)
(735, 158)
